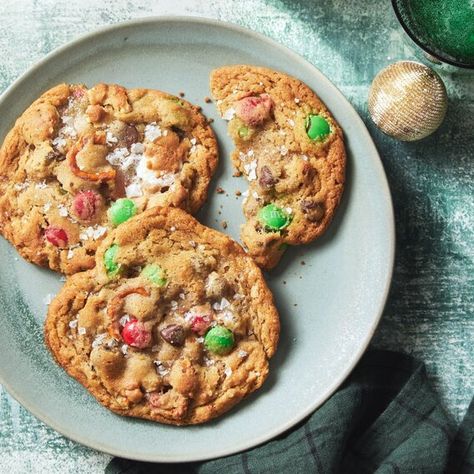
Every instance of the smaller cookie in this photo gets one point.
(175, 323)
(291, 151)
(79, 162)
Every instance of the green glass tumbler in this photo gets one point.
(443, 29)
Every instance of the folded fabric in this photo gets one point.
(386, 418)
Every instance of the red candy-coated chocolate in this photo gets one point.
(85, 204)
(154, 398)
(135, 334)
(254, 110)
(200, 324)
(56, 236)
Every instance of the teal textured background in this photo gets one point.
(430, 309)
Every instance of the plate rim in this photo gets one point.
(381, 178)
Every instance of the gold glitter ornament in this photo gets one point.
(407, 100)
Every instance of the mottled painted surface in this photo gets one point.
(430, 309)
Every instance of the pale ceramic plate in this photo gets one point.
(329, 307)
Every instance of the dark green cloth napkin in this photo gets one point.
(386, 418)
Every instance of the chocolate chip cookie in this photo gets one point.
(174, 324)
(80, 161)
(290, 149)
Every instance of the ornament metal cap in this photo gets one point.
(407, 100)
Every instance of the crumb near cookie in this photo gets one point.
(181, 349)
(291, 151)
(80, 161)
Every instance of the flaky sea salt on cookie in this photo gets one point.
(290, 149)
(174, 324)
(80, 161)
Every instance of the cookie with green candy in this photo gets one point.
(81, 161)
(112, 267)
(155, 274)
(174, 323)
(219, 340)
(291, 151)
(273, 217)
(121, 210)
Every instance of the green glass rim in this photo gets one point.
(422, 45)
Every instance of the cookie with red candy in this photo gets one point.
(79, 162)
(290, 149)
(174, 324)
(136, 334)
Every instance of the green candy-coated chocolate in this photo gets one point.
(110, 263)
(317, 127)
(121, 210)
(155, 274)
(243, 132)
(219, 340)
(273, 217)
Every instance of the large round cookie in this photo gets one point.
(291, 151)
(75, 151)
(174, 324)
